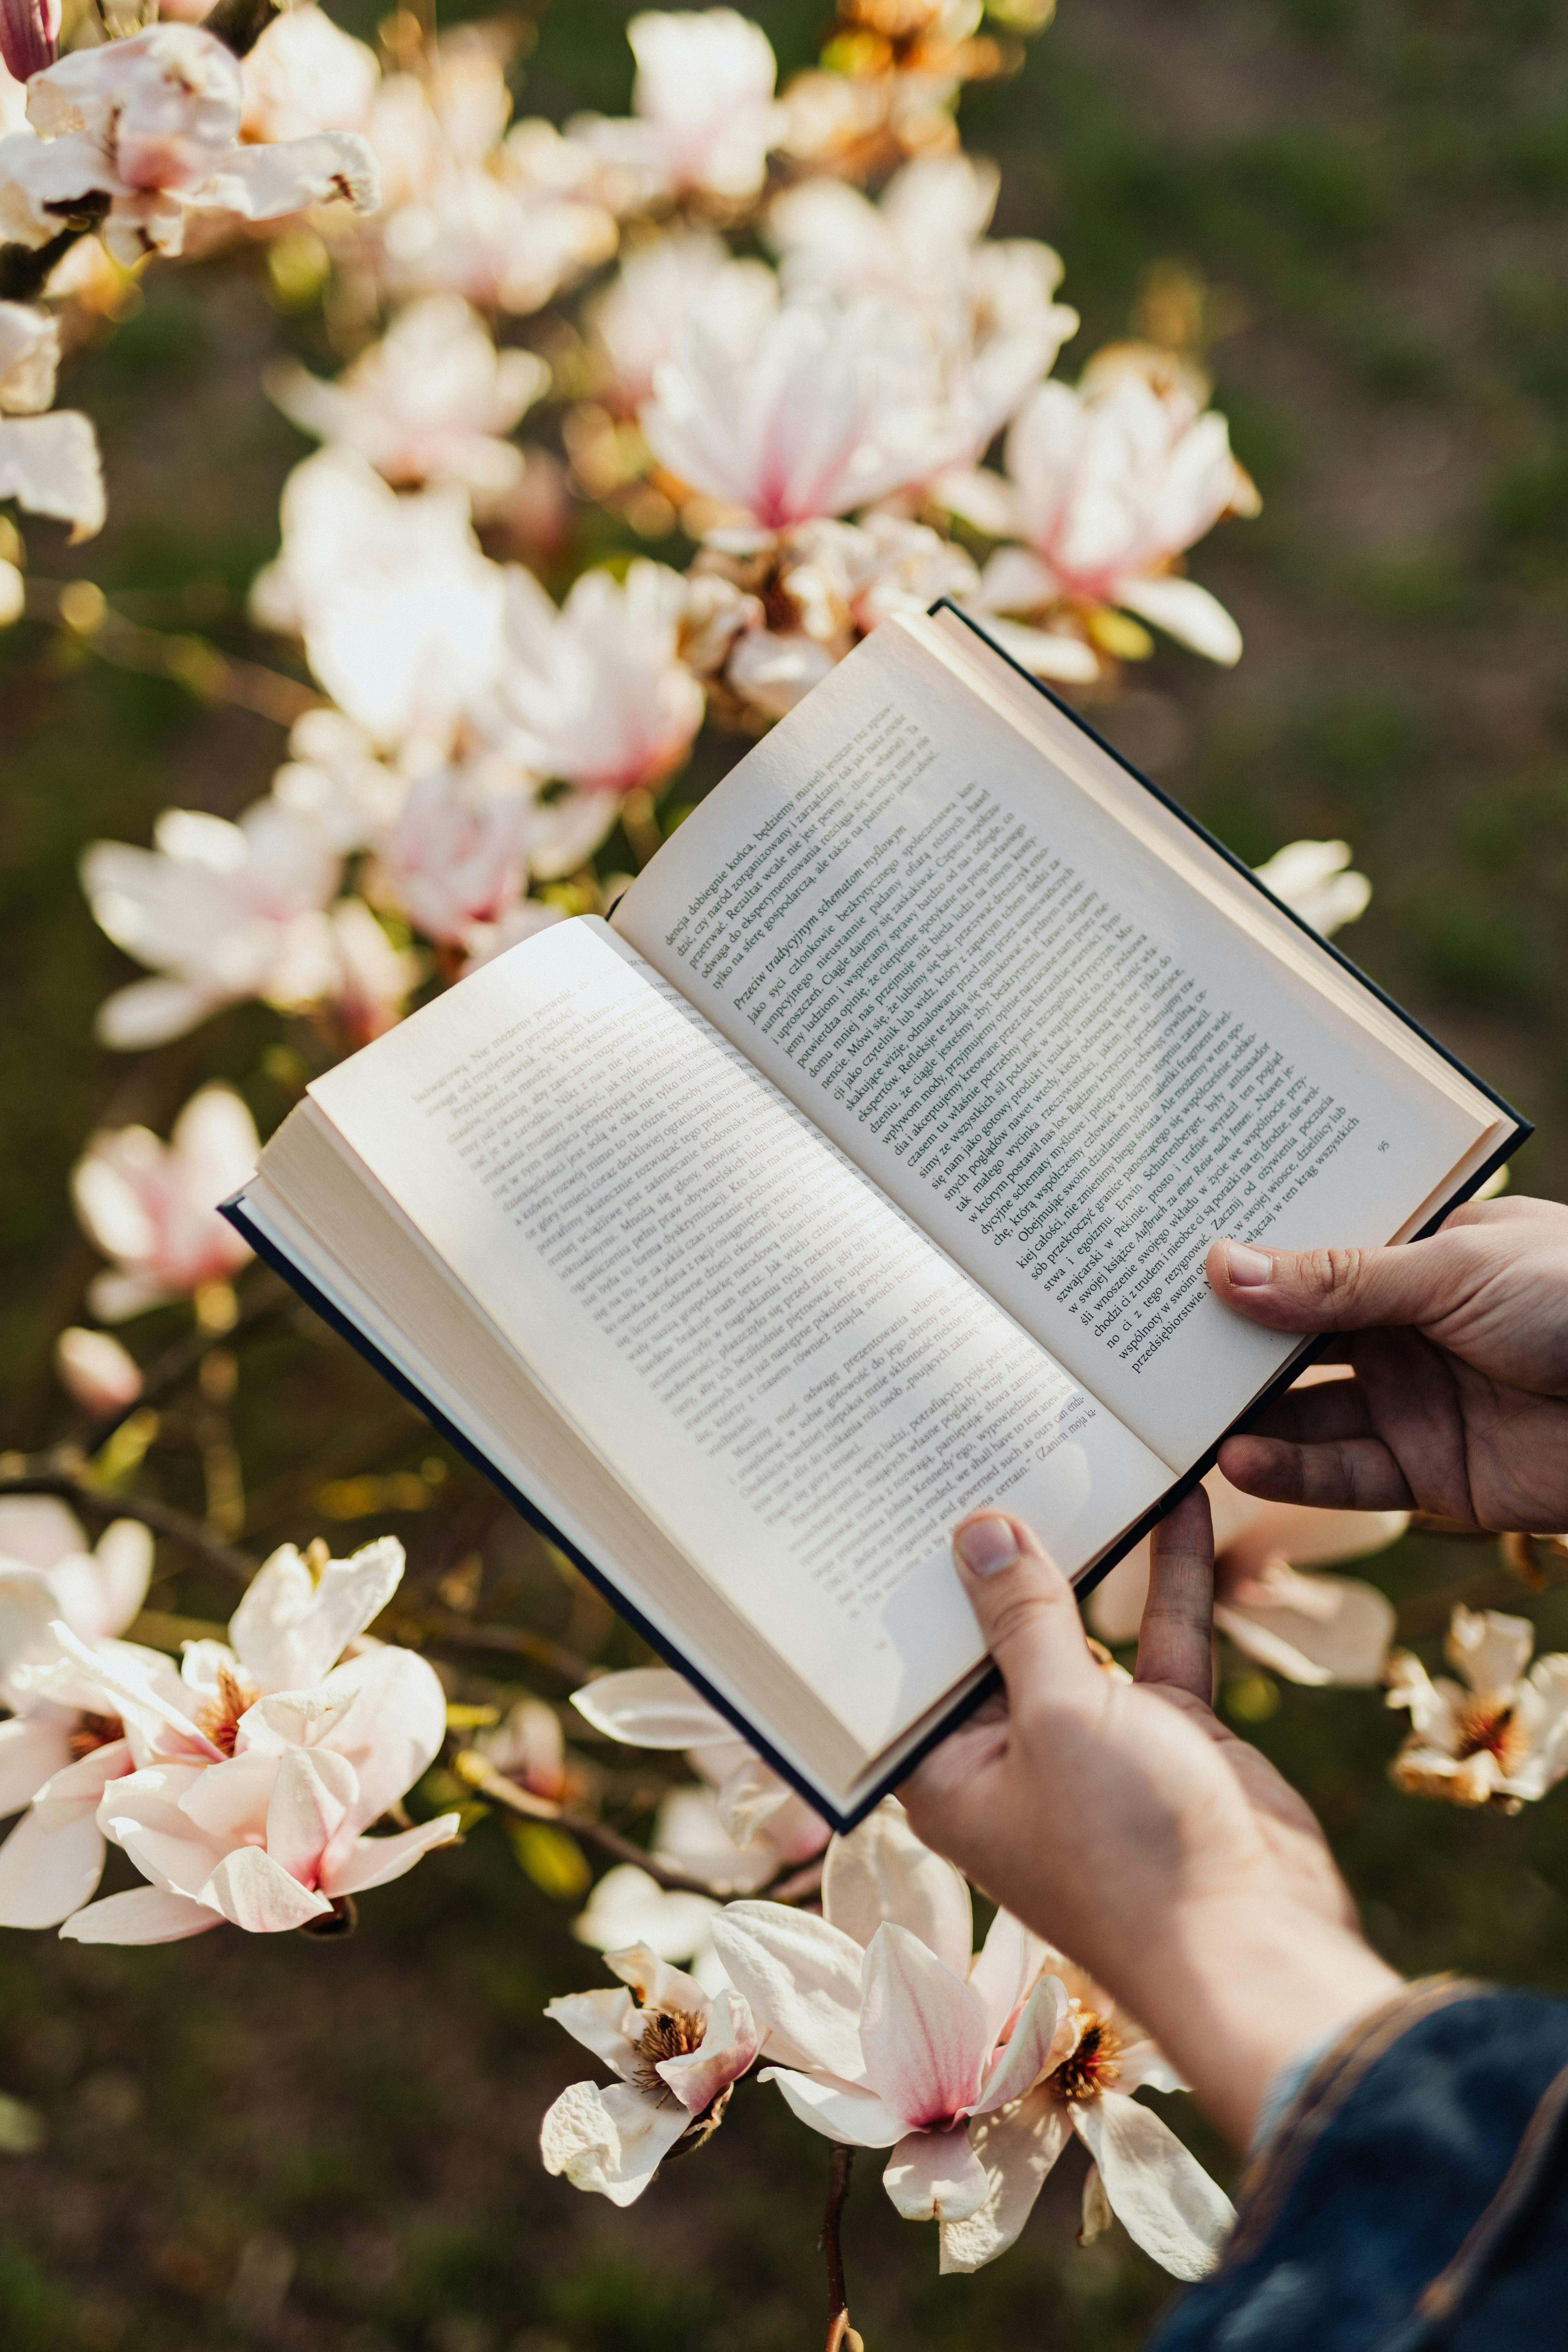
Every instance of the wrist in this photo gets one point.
(1236, 1987)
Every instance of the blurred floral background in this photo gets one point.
(1347, 217)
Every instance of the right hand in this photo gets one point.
(1459, 1403)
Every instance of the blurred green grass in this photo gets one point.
(333, 2148)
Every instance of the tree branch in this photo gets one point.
(102, 1504)
(514, 1641)
(841, 2336)
(166, 1371)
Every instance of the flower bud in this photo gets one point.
(30, 36)
(97, 1371)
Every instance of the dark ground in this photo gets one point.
(333, 2148)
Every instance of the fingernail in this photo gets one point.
(1247, 1267)
(986, 1545)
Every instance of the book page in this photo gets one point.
(797, 1386)
(1067, 1066)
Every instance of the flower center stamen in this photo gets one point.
(668, 2033)
(1490, 1730)
(219, 1718)
(93, 1732)
(1092, 2068)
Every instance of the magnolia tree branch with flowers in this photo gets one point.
(766, 337)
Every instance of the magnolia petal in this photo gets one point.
(922, 2030)
(629, 1907)
(1346, 1642)
(147, 1915)
(28, 1611)
(79, 1787)
(390, 1728)
(31, 1749)
(655, 1984)
(855, 2118)
(377, 1860)
(1015, 2148)
(150, 1012)
(1489, 1649)
(1048, 653)
(610, 2141)
(291, 1627)
(881, 1871)
(1143, 2067)
(935, 2176)
(47, 1873)
(979, 496)
(727, 2049)
(311, 1794)
(1186, 611)
(102, 1593)
(605, 2021)
(116, 1669)
(257, 1894)
(802, 1978)
(1042, 2038)
(1158, 2189)
(50, 465)
(651, 1707)
(1005, 1968)
(287, 175)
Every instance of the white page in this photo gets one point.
(1071, 1069)
(797, 1386)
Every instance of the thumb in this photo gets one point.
(1024, 1605)
(1343, 1289)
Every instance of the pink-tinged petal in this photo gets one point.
(922, 2032)
(79, 1787)
(727, 2049)
(117, 1670)
(1158, 2189)
(377, 1860)
(1143, 2067)
(837, 2110)
(881, 1873)
(100, 1593)
(605, 2021)
(46, 1873)
(1312, 1629)
(257, 1894)
(310, 1796)
(610, 2141)
(145, 1915)
(1186, 611)
(141, 1813)
(1043, 2036)
(227, 1804)
(31, 1749)
(802, 1978)
(1005, 1968)
(651, 1707)
(655, 1983)
(390, 1730)
(935, 2177)
(1015, 2149)
(291, 1627)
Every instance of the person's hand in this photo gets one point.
(1459, 1403)
(1122, 1821)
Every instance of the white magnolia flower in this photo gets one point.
(47, 464)
(399, 612)
(1107, 485)
(1314, 879)
(704, 117)
(220, 911)
(51, 1748)
(368, 990)
(675, 2051)
(456, 858)
(766, 1825)
(1499, 1738)
(989, 306)
(96, 1372)
(529, 1746)
(973, 2068)
(432, 401)
(807, 410)
(638, 321)
(153, 1207)
(629, 1907)
(595, 693)
(152, 122)
(306, 75)
(1309, 1629)
(335, 782)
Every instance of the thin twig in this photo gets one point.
(45, 1476)
(166, 1373)
(192, 661)
(462, 1633)
(831, 2246)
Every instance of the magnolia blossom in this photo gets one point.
(96, 1372)
(47, 464)
(399, 612)
(1106, 486)
(220, 911)
(989, 306)
(1314, 880)
(1498, 1739)
(152, 122)
(29, 37)
(1310, 1629)
(594, 693)
(58, 1749)
(676, 2049)
(888, 2031)
(153, 1207)
(335, 782)
(637, 322)
(766, 1825)
(810, 409)
(431, 403)
(372, 979)
(529, 1747)
(306, 75)
(704, 116)
(629, 1907)
(456, 858)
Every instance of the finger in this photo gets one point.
(1354, 1473)
(1175, 1641)
(1331, 1408)
(1024, 1605)
(1344, 1289)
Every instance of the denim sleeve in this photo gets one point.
(1413, 2196)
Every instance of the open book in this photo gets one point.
(860, 1173)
